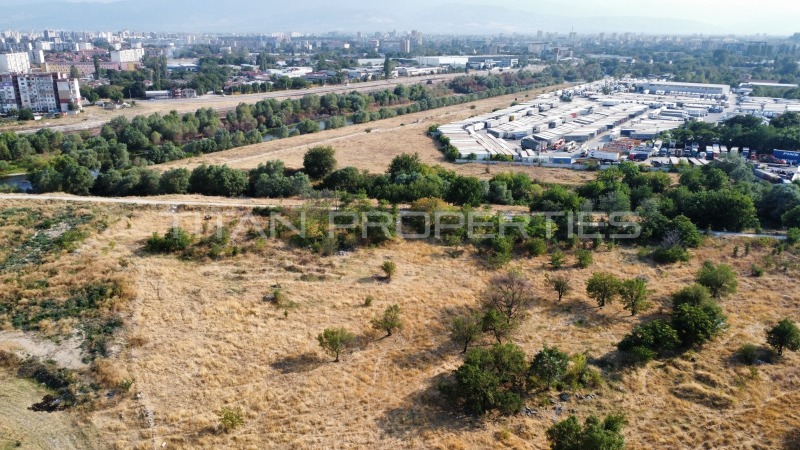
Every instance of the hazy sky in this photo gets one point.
(660, 16)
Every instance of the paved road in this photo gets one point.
(723, 234)
(229, 102)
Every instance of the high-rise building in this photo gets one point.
(39, 92)
(15, 63)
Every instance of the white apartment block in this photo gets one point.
(124, 56)
(39, 92)
(15, 63)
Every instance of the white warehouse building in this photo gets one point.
(692, 88)
(438, 61)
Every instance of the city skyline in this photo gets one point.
(435, 16)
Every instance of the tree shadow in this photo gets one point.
(425, 411)
(792, 440)
(305, 362)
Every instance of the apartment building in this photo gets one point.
(39, 92)
(127, 56)
(15, 63)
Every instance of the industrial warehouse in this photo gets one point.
(601, 120)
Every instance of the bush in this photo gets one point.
(720, 280)
(549, 365)
(748, 354)
(334, 340)
(670, 255)
(793, 235)
(490, 379)
(656, 336)
(319, 162)
(536, 246)
(756, 271)
(698, 324)
(694, 295)
(606, 435)
(175, 181)
(389, 268)
(784, 335)
(389, 321)
(584, 258)
(175, 239)
(557, 259)
(230, 418)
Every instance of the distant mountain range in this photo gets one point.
(504, 16)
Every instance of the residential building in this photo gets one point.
(15, 63)
(127, 56)
(39, 92)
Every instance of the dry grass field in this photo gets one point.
(198, 336)
(386, 139)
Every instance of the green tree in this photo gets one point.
(784, 335)
(96, 61)
(595, 435)
(549, 365)
(389, 321)
(24, 114)
(559, 283)
(687, 231)
(697, 324)
(73, 72)
(603, 287)
(334, 341)
(634, 295)
(465, 191)
(465, 330)
(720, 280)
(174, 181)
(490, 379)
(319, 162)
(496, 323)
(388, 68)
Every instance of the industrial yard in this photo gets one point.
(603, 121)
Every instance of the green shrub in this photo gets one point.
(549, 365)
(334, 341)
(389, 321)
(175, 239)
(670, 255)
(756, 271)
(695, 295)
(557, 259)
(230, 418)
(656, 337)
(584, 258)
(748, 354)
(784, 335)
(697, 324)
(536, 246)
(793, 236)
(389, 269)
(720, 279)
(606, 435)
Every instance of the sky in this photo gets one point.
(779, 17)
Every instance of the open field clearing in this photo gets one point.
(199, 335)
(373, 150)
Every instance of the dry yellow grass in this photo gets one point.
(199, 336)
(205, 338)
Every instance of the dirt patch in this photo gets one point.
(66, 353)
